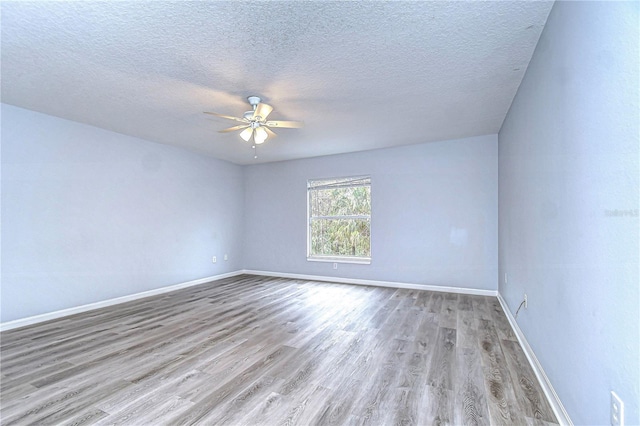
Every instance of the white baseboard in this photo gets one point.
(550, 393)
(23, 322)
(392, 284)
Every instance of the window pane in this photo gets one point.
(341, 237)
(341, 201)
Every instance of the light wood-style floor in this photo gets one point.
(258, 350)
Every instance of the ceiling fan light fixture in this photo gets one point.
(260, 135)
(246, 134)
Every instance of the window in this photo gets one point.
(339, 220)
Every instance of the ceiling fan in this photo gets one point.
(255, 123)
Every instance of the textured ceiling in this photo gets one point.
(361, 75)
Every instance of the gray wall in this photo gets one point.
(569, 160)
(434, 213)
(89, 215)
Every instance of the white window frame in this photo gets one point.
(336, 259)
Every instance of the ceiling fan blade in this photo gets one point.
(285, 124)
(234, 128)
(262, 111)
(226, 116)
(269, 132)
(246, 134)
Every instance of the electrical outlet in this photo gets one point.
(526, 301)
(335, 266)
(214, 259)
(505, 278)
(617, 410)
(226, 256)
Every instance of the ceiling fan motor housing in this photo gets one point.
(254, 101)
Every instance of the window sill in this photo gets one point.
(338, 259)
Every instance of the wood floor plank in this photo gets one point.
(422, 301)
(407, 406)
(26, 376)
(270, 407)
(15, 393)
(466, 331)
(503, 407)
(465, 302)
(435, 303)
(60, 406)
(225, 392)
(470, 407)
(426, 334)
(448, 317)
(383, 313)
(378, 393)
(303, 407)
(505, 332)
(443, 360)
(529, 396)
(153, 409)
(439, 406)
(481, 308)
(235, 408)
(336, 409)
(90, 416)
(273, 351)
